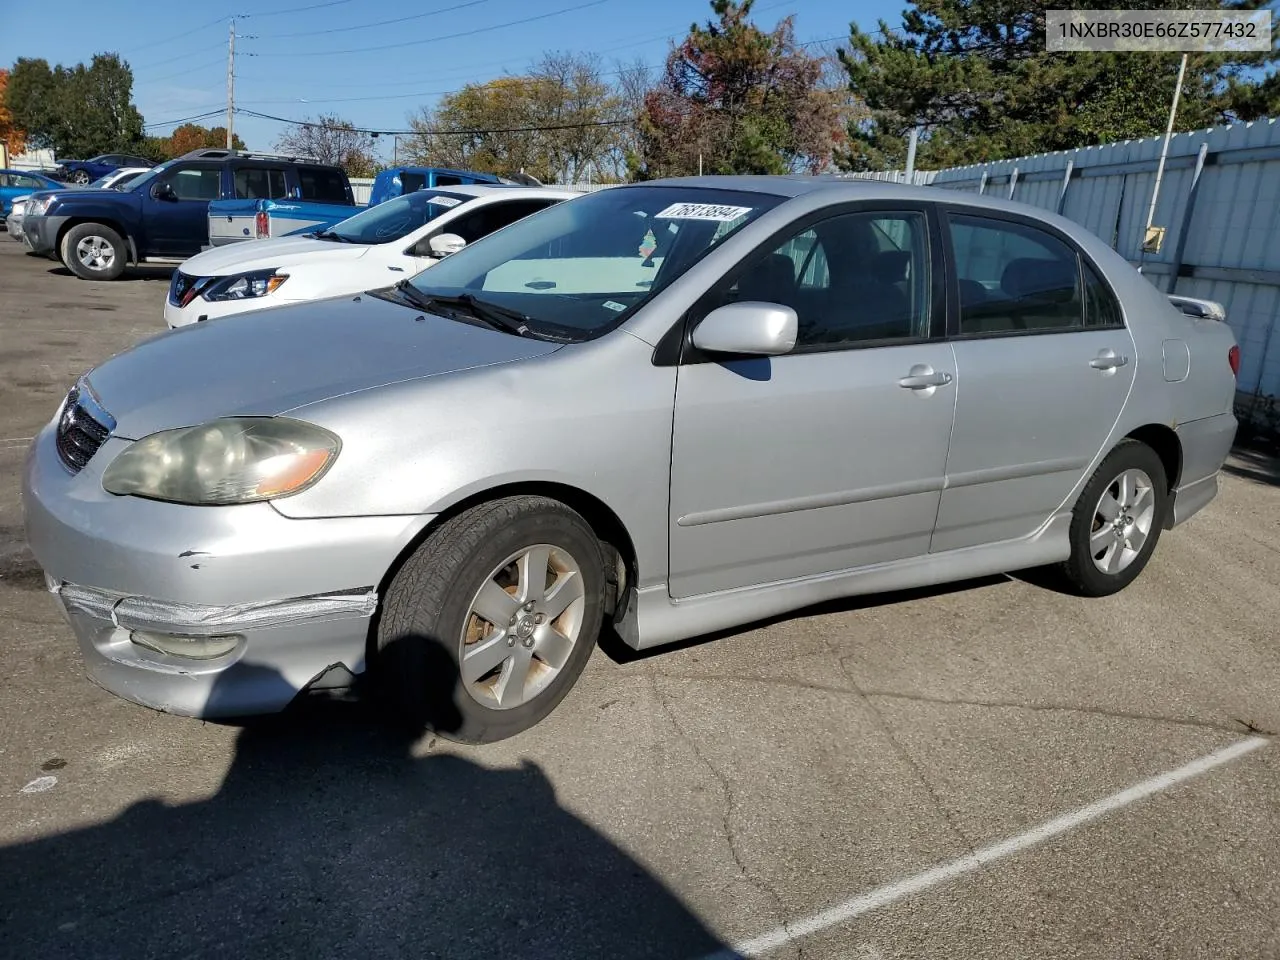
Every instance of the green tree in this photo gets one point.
(558, 121)
(77, 111)
(741, 99)
(977, 76)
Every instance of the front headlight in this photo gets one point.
(232, 460)
(36, 206)
(244, 286)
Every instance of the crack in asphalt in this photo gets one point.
(1234, 725)
(729, 801)
(902, 752)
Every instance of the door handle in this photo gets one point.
(1107, 360)
(921, 381)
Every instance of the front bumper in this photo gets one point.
(14, 226)
(298, 595)
(41, 233)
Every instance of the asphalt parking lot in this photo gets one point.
(993, 770)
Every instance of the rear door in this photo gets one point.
(1047, 364)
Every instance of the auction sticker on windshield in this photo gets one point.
(701, 211)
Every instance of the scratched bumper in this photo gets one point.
(297, 594)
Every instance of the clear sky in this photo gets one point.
(372, 64)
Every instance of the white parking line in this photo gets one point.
(7, 441)
(883, 896)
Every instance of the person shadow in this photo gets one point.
(329, 838)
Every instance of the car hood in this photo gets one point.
(269, 254)
(267, 362)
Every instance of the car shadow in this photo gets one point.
(151, 271)
(329, 837)
(1257, 462)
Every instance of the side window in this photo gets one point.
(321, 185)
(1101, 309)
(26, 183)
(260, 183)
(1014, 277)
(846, 286)
(492, 217)
(196, 183)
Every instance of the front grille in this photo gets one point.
(83, 427)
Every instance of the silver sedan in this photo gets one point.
(662, 409)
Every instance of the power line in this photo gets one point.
(180, 120)
(438, 39)
(182, 73)
(445, 93)
(378, 23)
(442, 133)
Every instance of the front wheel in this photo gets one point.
(93, 252)
(80, 176)
(1117, 521)
(489, 623)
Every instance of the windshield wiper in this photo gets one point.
(490, 314)
(330, 235)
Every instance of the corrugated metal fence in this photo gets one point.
(1219, 202)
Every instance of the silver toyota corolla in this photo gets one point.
(671, 407)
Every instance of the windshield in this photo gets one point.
(396, 218)
(579, 265)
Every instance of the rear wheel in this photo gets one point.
(490, 622)
(1117, 521)
(80, 176)
(93, 252)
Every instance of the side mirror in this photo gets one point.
(164, 191)
(444, 244)
(751, 326)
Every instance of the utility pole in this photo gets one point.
(911, 152)
(231, 83)
(1151, 240)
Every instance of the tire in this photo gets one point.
(428, 625)
(1122, 549)
(80, 176)
(88, 243)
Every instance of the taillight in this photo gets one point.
(260, 223)
(1233, 358)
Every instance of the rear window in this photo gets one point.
(322, 186)
(256, 183)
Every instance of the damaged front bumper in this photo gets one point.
(211, 662)
(205, 611)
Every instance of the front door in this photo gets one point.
(1047, 364)
(179, 227)
(832, 456)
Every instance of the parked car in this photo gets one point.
(162, 214)
(112, 181)
(234, 221)
(20, 183)
(117, 178)
(677, 407)
(85, 171)
(375, 248)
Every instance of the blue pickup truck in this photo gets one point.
(231, 221)
(163, 215)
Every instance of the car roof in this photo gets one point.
(504, 190)
(835, 188)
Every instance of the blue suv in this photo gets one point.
(163, 214)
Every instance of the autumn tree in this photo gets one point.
(188, 137)
(11, 135)
(742, 99)
(977, 77)
(559, 121)
(77, 111)
(332, 140)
